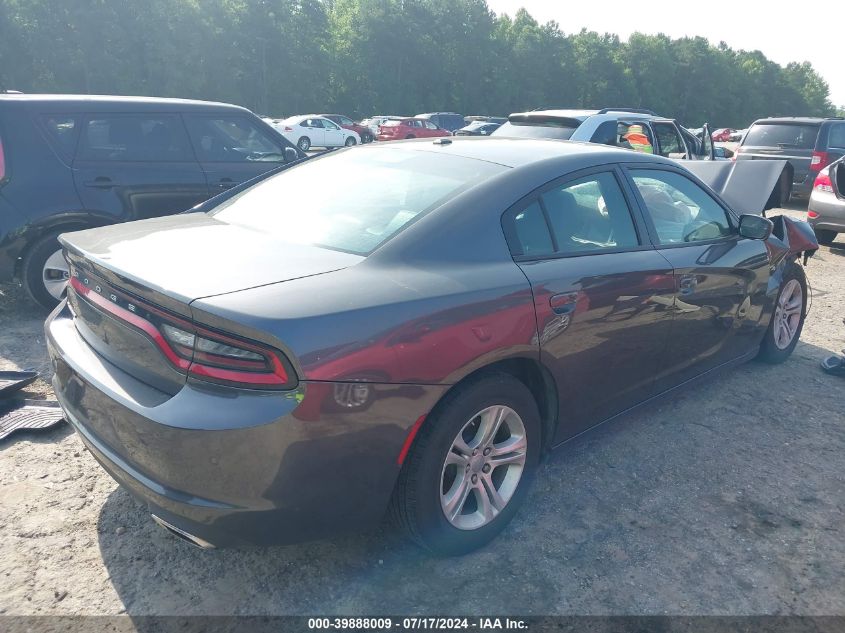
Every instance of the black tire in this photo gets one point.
(825, 237)
(32, 270)
(769, 350)
(350, 141)
(416, 506)
(367, 138)
(304, 143)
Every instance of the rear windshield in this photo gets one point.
(537, 128)
(783, 135)
(322, 202)
(391, 122)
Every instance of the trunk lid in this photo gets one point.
(176, 259)
(127, 278)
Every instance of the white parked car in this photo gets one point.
(309, 130)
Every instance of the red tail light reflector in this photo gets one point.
(812, 214)
(819, 161)
(823, 183)
(195, 350)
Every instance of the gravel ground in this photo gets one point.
(728, 498)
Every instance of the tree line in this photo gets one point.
(363, 57)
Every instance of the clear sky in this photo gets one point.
(783, 31)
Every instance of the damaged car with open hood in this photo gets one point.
(287, 361)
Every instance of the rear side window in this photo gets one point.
(297, 206)
(62, 131)
(837, 136)
(587, 215)
(783, 135)
(159, 138)
(590, 214)
(233, 140)
(531, 232)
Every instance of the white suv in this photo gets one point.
(608, 127)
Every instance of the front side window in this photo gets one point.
(232, 139)
(590, 214)
(680, 210)
(329, 125)
(670, 143)
(346, 121)
(157, 137)
(297, 206)
(430, 125)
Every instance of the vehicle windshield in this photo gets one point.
(782, 135)
(540, 128)
(292, 120)
(321, 202)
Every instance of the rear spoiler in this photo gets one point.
(748, 186)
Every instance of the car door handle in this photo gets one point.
(100, 182)
(564, 303)
(226, 183)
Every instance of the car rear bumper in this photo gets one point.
(830, 209)
(233, 466)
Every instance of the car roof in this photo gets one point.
(807, 120)
(521, 152)
(583, 115)
(72, 103)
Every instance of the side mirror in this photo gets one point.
(755, 227)
(291, 155)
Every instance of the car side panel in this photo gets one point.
(397, 326)
(40, 186)
(722, 298)
(604, 321)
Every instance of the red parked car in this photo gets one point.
(409, 128)
(347, 123)
(722, 135)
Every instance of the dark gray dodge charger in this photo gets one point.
(294, 360)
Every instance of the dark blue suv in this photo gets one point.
(809, 144)
(75, 162)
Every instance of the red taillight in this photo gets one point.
(195, 350)
(823, 183)
(820, 160)
(2, 162)
(288, 128)
(812, 214)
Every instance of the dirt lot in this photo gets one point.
(728, 498)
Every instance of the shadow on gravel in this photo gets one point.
(725, 497)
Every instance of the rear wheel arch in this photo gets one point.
(536, 377)
(61, 225)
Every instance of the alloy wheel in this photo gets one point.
(788, 313)
(483, 467)
(55, 275)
